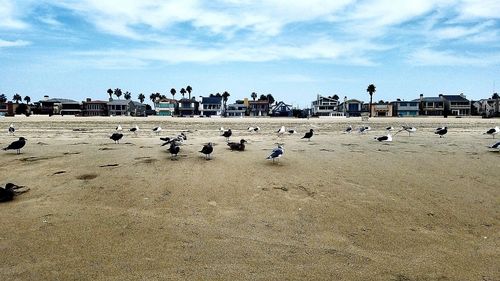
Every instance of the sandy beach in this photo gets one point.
(337, 207)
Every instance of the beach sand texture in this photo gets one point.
(337, 207)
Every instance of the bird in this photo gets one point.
(441, 131)
(277, 153)
(221, 130)
(135, 129)
(116, 137)
(390, 128)
(364, 129)
(492, 131)
(207, 150)
(17, 145)
(409, 129)
(157, 130)
(227, 134)
(387, 138)
(12, 129)
(239, 146)
(281, 131)
(119, 128)
(250, 129)
(348, 130)
(174, 149)
(253, 129)
(10, 191)
(495, 146)
(292, 131)
(308, 135)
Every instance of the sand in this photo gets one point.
(338, 207)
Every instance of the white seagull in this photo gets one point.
(119, 128)
(135, 130)
(277, 153)
(492, 131)
(12, 129)
(157, 130)
(409, 130)
(348, 130)
(495, 146)
(281, 131)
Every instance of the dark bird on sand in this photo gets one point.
(10, 191)
(348, 129)
(116, 137)
(309, 134)
(174, 149)
(227, 134)
(239, 146)
(207, 150)
(493, 131)
(157, 130)
(135, 129)
(441, 131)
(17, 145)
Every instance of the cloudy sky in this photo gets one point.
(289, 48)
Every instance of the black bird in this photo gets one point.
(10, 190)
(207, 150)
(387, 138)
(292, 131)
(308, 135)
(166, 140)
(441, 131)
(239, 146)
(17, 145)
(157, 130)
(348, 129)
(116, 137)
(227, 134)
(174, 149)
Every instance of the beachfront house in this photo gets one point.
(325, 106)
(405, 108)
(444, 105)
(258, 108)
(165, 107)
(59, 106)
(4, 108)
(188, 107)
(211, 106)
(281, 109)
(381, 109)
(236, 110)
(352, 107)
(457, 105)
(94, 108)
(430, 106)
(485, 107)
(126, 108)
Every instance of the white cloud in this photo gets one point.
(17, 43)
(429, 57)
(9, 16)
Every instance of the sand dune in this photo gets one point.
(338, 207)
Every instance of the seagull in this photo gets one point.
(292, 131)
(221, 130)
(492, 131)
(348, 129)
(441, 131)
(227, 134)
(495, 146)
(256, 129)
(17, 145)
(364, 129)
(409, 130)
(11, 190)
(308, 135)
(387, 138)
(12, 129)
(240, 146)
(174, 149)
(391, 128)
(281, 131)
(276, 153)
(207, 150)
(119, 128)
(135, 130)
(116, 137)
(250, 129)
(157, 130)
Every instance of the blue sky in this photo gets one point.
(291, 49)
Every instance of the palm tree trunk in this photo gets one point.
(371, 97)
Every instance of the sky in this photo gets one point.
(291, 49)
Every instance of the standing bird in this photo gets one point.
(12, 129)
(227, 134)
(409, 130)
(116, 137)
(492, 131)
(308, 135)
(389, 129)
(495, 146)
(441, 131)
(277, 153)
(17, 145)
(207, 150)
(119, 128)
(281, 131)
(10, 191)
(135, 130)
(221, 130)
(292, 131)
(348, 130)
(387, 138)
(364, 129)
(174, 149)
(239, 146)
(157, 130)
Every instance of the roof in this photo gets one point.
(95, 101)
(455, 98)
(258, 102)
(214, 99)
(353, 100)
(119, 102)
(167, 100)
(429, 99)
(60, 100)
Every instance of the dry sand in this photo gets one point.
(339, 207)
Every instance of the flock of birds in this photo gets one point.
(174, 143)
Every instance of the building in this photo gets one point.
(126, 108)
(457, 105)
(258, 108)
(165, 107)
(4, 108)
(444, 105)
(405, 108)
(352, 107)
(381, 109)
(59, 106)
(281, 109)
(430, 106)
(485, 107)
(236, 110)
(94, 108)
(211, 106)
(188, 107)
(325, 106)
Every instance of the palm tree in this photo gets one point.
(118, 92)
(270, 99)
(152, 97)
(225, 95)
(335, 97)
(254, 95)
(141, 97)
(371, 90)
(17, 98)
(189, 89)
(263, 97)
(127, 95)
(3, 98)
(110, 93)
(496, 97)
(183, 92)
(27, 99)
(172, 92)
